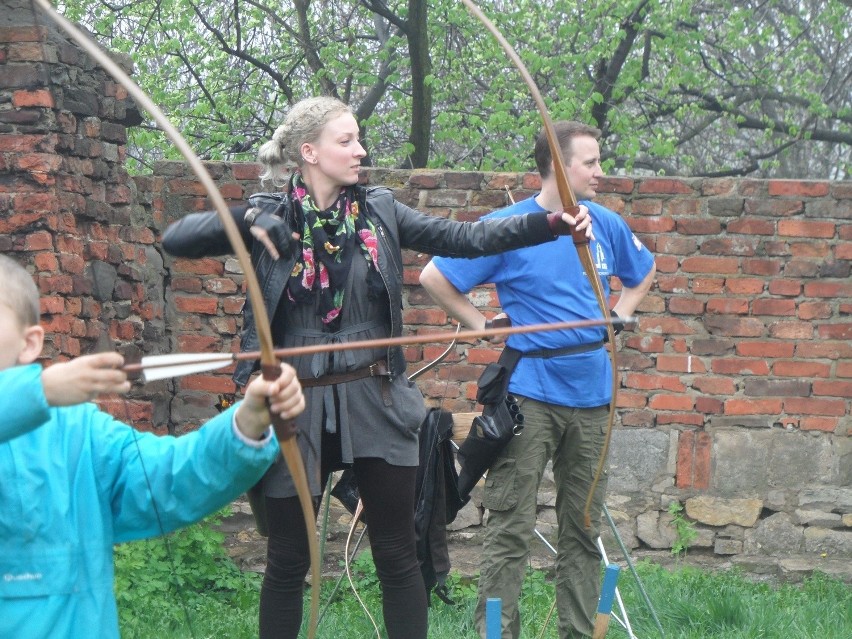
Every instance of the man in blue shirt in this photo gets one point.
(564, 397)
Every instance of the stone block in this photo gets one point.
(655, 529)
(716, 511)
(728, 547)
(835, 543)
(775, 535)
(817, 518)
(636, 457)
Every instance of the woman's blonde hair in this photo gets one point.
(304, 123)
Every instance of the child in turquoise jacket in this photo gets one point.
(71, 478)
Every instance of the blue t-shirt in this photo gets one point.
(547, 283)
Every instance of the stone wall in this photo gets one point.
(736, 386)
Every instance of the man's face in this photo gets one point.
(584, 169)
(12, 338)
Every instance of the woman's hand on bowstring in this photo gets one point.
(271, 231)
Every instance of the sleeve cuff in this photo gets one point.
(254, 443)
(540, 227)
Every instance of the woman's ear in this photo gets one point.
(33, 343)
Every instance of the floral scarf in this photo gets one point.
(330, 239)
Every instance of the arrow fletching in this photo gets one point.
(156, 367)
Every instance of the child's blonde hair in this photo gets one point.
(304, 123)
(19, 292)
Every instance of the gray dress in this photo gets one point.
(376, 416)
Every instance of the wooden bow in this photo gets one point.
(270, 365)
(581, 243)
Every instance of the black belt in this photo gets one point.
(376, 369)
(567, 350)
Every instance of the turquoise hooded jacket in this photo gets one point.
(72, 485)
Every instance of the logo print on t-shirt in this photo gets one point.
(600, 259)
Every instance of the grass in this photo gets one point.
(216, 600)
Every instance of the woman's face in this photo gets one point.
(337, 153)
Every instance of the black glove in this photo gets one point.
(557, 225)
(276, 228)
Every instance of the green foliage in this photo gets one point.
(684, 529)
(715, 88)
(690, 603)
(180, 575)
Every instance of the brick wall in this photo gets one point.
(736, 386)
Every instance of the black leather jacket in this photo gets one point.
(397, 227)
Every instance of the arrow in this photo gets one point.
(154, 367)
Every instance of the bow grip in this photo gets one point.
(284, 430)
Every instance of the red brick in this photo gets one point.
(201, 305)
(651, 224)
(206, 266)
(790, 288)
(739, 366)
(207, 383)
(714, 385)
(686, 306)
(664, 185)
(774, 307)
(628, 399)
(710, 265)
(751, 226)
(753, 406)
(815, 406)
(671, 402)
(799, 188)
(665, 326)
(728, 306)
(708, 285)
(644, 381)
(810, 249)
(482, 355)
(680, 364)
(801, 369)
(792, 330)
(813, 310)
(761, 267)
(645, 343)
(835, 331)
(768, 350)
(36, 98)
(803, 228)
(824, 424)
(680, 419)
(691, 226)
(832, 388)
(744, 285)
(709, 405)
(835, 290)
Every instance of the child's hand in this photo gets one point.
(285, 400)
(84, 378)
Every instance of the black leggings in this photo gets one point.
(388, 495)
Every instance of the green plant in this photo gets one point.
(684, 529)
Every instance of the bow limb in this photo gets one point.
(269, 361)
(581, 242)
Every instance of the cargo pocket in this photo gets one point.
(500, 489)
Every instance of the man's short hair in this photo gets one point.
(566, 130)
(19, 292)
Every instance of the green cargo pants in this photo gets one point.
(572, 438)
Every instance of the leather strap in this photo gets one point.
(376, 369)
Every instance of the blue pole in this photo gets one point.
(605, 602)
(493, 611)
